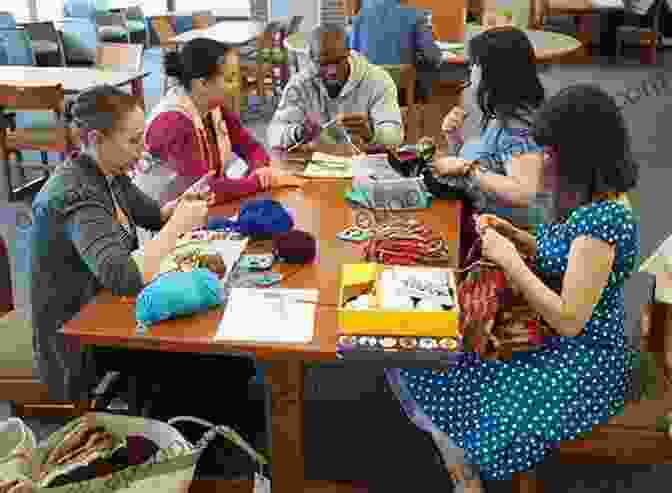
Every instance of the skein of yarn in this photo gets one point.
(258, 219)
(295, 247)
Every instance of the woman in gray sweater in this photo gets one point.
(84, 230)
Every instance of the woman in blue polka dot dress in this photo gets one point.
(501, 417)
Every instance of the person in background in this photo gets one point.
(508, 414)
(387, 33)
(339, 87)
(192, 132)
(82, 241)
(510, 164)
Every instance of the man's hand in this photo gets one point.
(357, 124)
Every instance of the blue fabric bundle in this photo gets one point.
(176, 294)
(257, 218)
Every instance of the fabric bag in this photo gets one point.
(16, 440)
(496, 320)
(170, 469)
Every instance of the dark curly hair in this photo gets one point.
(509, 88)
(585, 128)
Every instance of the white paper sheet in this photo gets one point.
(269, 315)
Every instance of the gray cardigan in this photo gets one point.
(78, 248)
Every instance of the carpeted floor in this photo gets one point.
(354, 429)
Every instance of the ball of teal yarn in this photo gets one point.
(177, 294)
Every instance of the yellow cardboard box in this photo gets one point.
(380, 322)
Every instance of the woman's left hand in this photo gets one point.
(498, 248)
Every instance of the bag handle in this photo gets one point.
(225, 431)
(27, 435)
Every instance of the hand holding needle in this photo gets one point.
(323, 127)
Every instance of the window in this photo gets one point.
(49, 9)
(18, 8)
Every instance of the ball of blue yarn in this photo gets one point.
(177, 294)
(257, 218)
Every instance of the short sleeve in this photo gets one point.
(607, 221)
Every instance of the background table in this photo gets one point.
(229, 31)
(321, 209)
(548, 45)
(74, 79)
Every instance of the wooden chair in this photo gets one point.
(165, 32)
(646, 38)
(120, 26)
(404, 77)
(121, 56)
(634, 437)
(52, 137)
(27, 395)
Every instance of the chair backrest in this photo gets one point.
(111, 19)
(16, 48)
(163, 28)
(202, 20)
(46, 31)
(7, 20)
(333, 12)
(119, 56)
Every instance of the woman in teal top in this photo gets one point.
(501, 417)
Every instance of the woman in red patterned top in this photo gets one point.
(193, 134)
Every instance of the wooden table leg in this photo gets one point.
(286, 379)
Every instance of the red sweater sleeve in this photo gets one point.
(172, 138)
(244, 144)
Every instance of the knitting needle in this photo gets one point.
(349, 139)
(322, 127)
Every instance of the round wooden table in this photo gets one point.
(548, 46)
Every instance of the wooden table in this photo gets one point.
(548, 46)
(74, 79)
(319, 208)
(235, 32)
